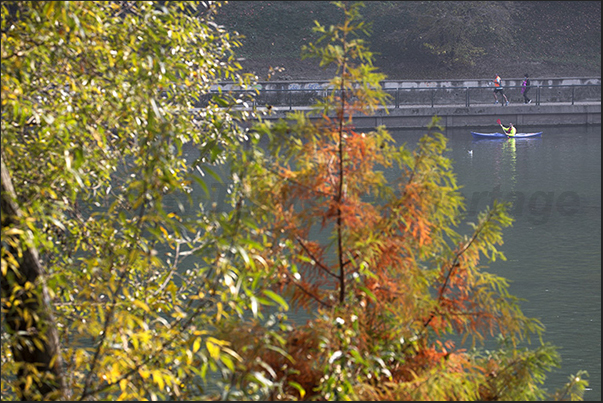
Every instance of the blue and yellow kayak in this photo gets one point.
(502, 135)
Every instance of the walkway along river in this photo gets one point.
(460, 103)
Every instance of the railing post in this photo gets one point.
(432, 97)
(397, 97)
(538, 95)
(289, 90)
(467, 98)
(573, 88)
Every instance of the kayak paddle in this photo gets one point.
(501, 126)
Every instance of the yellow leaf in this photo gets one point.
(38, 343)
(196, 344)
(158, 378)
(219, 313)
(115, 372)
(144, 374)
(142, 305)
(218, 342)
(13, 231)
(214, 350)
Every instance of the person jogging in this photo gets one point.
(498, 88)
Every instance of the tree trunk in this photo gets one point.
(27, 312)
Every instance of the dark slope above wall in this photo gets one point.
(552, 39)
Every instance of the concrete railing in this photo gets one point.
(393, 84)
(428, 93)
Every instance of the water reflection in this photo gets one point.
(510, 158)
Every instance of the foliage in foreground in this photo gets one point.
(117, 283)
(112, 273)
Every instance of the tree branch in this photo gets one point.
(455, 263)
(317, 262)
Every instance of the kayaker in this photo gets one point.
(509, 131)
(498, 88)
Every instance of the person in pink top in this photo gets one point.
(525, 87)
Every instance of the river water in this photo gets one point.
(553, 249)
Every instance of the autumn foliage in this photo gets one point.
(118, 283)
(397, 298)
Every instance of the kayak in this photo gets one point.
(502, 135)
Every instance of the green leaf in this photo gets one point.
(220, 101)
(357, 356)
(299, 388)
(276, 298)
